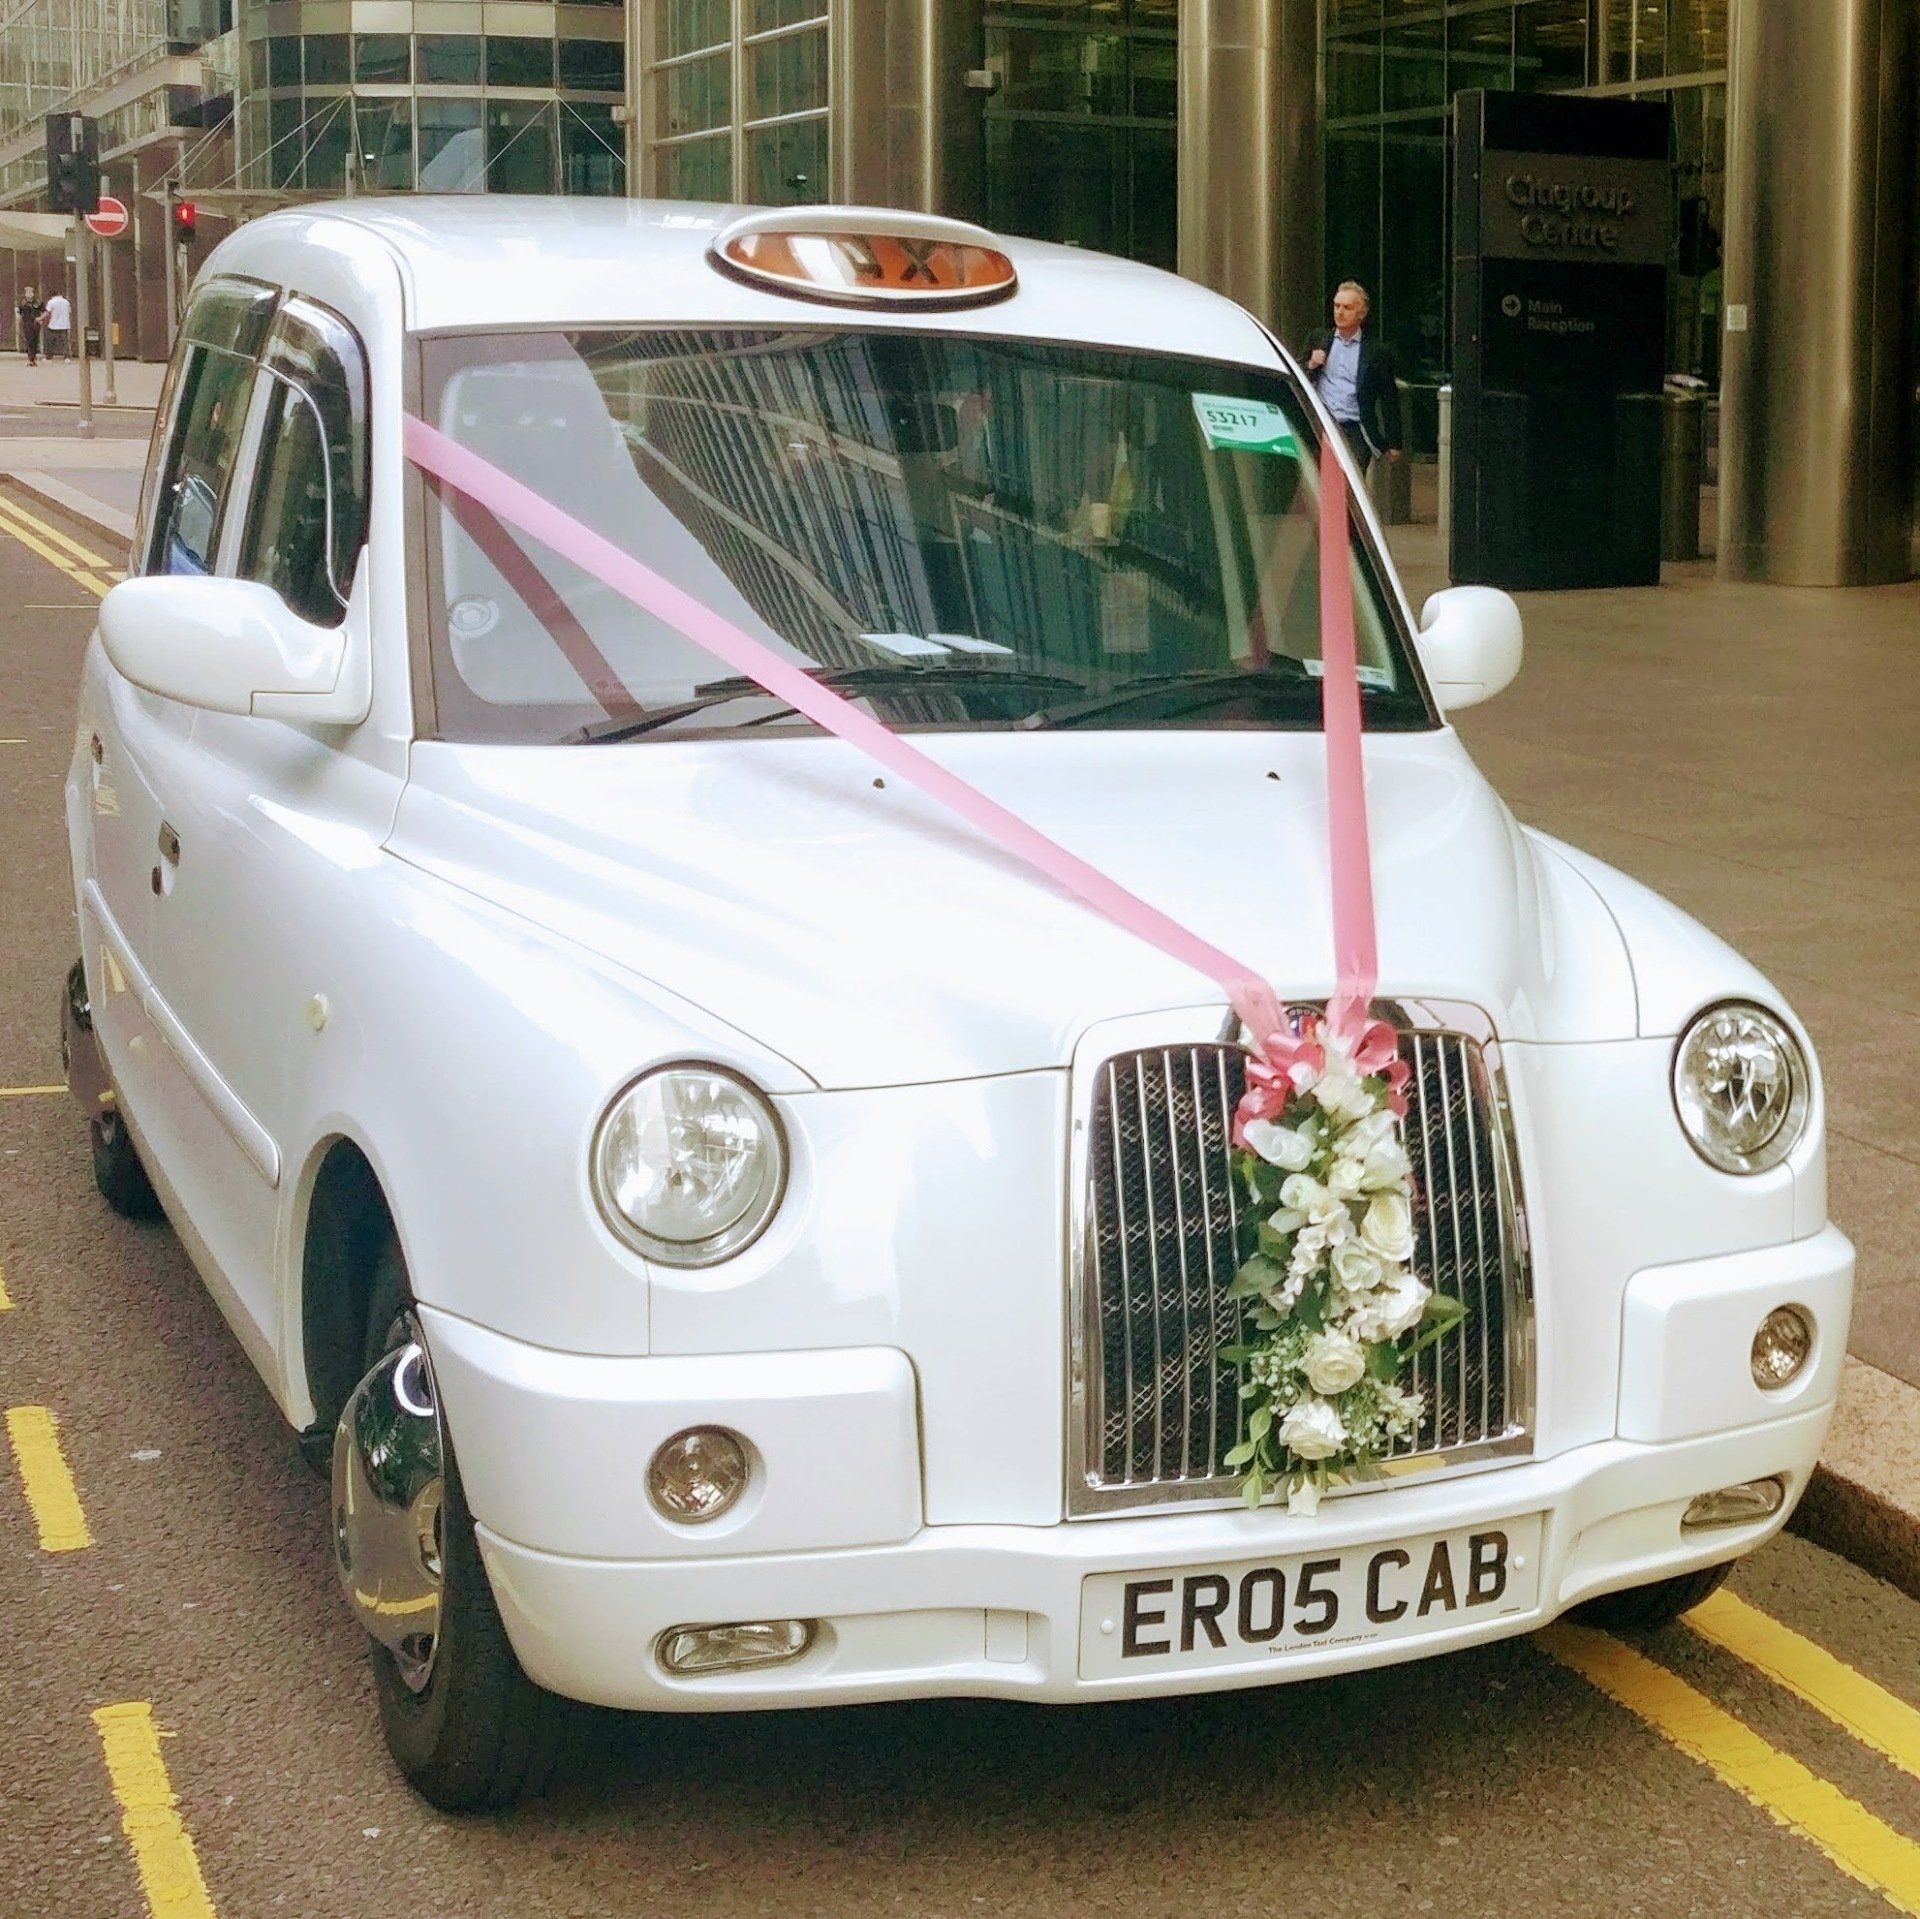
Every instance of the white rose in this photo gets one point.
(1283, 1146)
(1345, 1180)
(1342, 1096)
(1359, 1139)
(1303, 1193)
(1313, 1430)
(1335, 1362)
(1355, 1270)
(1395, 1309)
(1388, 1226)
(1386, 1168)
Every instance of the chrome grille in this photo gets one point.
(1157, 1406)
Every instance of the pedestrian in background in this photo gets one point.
(1356, 378)
(30, 311)
(59, 322)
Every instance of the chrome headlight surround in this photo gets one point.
(1742, 1087)
(687, 1146)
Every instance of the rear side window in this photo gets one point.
(208, 389)
(307, 519)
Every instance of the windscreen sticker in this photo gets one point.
(1375, 676)
(1244, 426)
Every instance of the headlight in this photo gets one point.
(1741, 1086)
(689, 1165)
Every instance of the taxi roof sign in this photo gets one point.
(866, 257)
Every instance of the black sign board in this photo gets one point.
(1562, 228)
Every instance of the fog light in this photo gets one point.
(756, 1642)
(1780, 1347)
(1735, 1505)
(698, 1474)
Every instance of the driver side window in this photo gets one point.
(306, 520)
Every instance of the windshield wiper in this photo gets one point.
(1202, 686)
(949, 676)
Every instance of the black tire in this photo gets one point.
(117, 1171)
(480, 1735)
(1645, 1608)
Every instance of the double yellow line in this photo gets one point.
(79, 563)
(1861, 1844)
(163, 1849)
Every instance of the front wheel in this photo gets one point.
(463, 1722)
(117, 1171)
(1644, 1608)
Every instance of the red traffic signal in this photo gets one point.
(185, 217)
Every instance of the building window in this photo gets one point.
(593, 66)
(326, 59)
(453, 154)
(381, 59)
(516, 62)
(735, 100)
(385, 144)
(1080, 130)
(450, 59)
(520, 146)
(592, 156)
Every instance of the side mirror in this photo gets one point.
(234, 646)
(1470, 644)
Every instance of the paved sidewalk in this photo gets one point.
(41, 450)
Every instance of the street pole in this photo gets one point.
(80, 239)
(111, 397)
(168, 249)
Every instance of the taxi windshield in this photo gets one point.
(959, 532)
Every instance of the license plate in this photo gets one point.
(1252, 1609)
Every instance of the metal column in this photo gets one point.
(1816, 461)
(1250, 183)
(906, 122)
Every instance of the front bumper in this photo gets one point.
(553, 1451)
(994, 1611)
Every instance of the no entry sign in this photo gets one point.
(109, 220)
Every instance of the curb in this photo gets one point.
(107, 521)
(1864, 1498)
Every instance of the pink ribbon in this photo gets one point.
(1252, 998)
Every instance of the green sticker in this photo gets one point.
(1243, 426)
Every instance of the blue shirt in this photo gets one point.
(1340, 378)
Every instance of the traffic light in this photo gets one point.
(185, 218)
(73, 163)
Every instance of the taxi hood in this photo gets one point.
(871, 937)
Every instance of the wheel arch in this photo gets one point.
(345, 1217)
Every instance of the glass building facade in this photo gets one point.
(1079, 133)
(733, 99)
(446, 96)
(1390, 69)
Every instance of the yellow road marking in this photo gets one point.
(1852, 1701)
(6, 1301)
(46, 1480)
(1862, 1846)
(85, 555)
(80, 575)
(28, 1092)
(163, 1850)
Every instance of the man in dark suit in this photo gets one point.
(1356, 378)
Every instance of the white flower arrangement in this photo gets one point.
(1334, 1307)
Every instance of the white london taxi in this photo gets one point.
(741, 1237)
